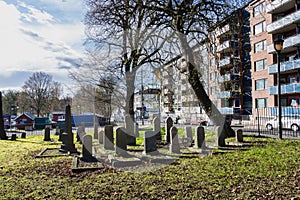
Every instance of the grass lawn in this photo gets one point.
(270, 169)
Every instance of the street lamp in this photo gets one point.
(278, 45)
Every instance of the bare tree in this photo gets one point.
(125, 28)
(41, 90)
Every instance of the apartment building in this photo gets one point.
(285, 24)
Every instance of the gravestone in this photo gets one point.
(87, 151)
(68, 137)
(23, 135)
(221, 139)
(13, 137)
(189, 135)
(61, 131)
(150, 142)
(121, 141)
(129, 130)
(156, 129)
(136, 130)
(108, 137)
(57, 130)
(200, 137)
(3, 135)
(100, 136)
(95, 129)
(47, 134)
(239, 135)
(174, 146)
(80, 133)
(169, 124)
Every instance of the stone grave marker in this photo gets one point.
(136, 130)
(80, 134)
(47, 134)
(68, 137)
(200, 137)
(23, 135)
(150, 142)
(189, 135)
(221, 139)
(174, 146)
(169, 124)
(87, 151)
(130, 132)
(100, 136)
(156, 129)
(96, 129)
(121, 141)
(108, 137)
(13, 137)
(239, 135)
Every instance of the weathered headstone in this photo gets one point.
(189, 135)
(100, 136)
(150, 142)
(3, 135)
(200, 137)
(121, 141)
(23, 135)
(221, 138)
(169, 124)
(108, 137)
(87, 150)
(68, 137)
(57, 130)
(47, 134)
(96, 124)
(13, 137)
(60, 135)
(129, 130)
(239, 135)
(156, 129)
(174, 146)
(136, 130)
(80, 133)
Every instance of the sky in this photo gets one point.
(40, 35)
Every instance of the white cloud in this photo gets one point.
(46, 46)
(33, 14)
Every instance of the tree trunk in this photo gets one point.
(194, 79)
(130, 77)
(2, 130)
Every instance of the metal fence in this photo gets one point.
(264, 121)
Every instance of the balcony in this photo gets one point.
(224, 62)
(224, 95)
(286, 89)
(222, 30)
(289, 20)
(224, 78)
(226, 46)
(290, 43)
(278, 6)
(229, 111)
(285, 66)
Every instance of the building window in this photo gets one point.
(260, 8)
(260, 65)
(261, 102)
(261, 84)
(213, 90)
(260, 46)
(260, 27)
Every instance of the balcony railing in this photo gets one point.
(221, 30)
(224, 62)
(226, 45)
(284, 22)
(285, 89)
(229, 110)
(285, 66)
(277, 4)
(288, 42)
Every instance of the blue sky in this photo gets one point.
(40, 35)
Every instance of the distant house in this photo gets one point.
(24, 120)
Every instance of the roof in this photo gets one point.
(29, 115)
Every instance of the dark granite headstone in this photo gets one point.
(87, 151)
(121, 141)
(129, 127)
(200, 137)
(108, 137)
(169, 124)
(150, 142)
(47, 134)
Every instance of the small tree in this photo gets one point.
(2, 131)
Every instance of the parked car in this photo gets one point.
(287, 121)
